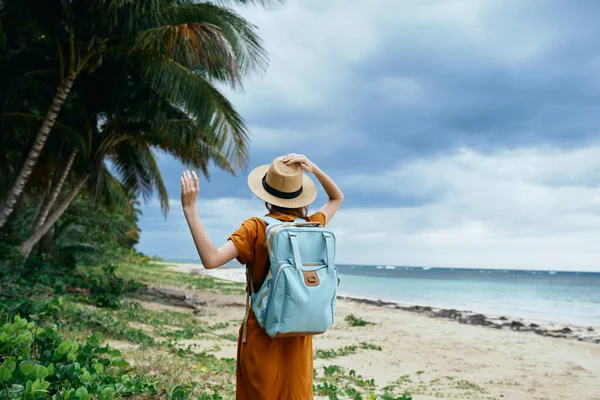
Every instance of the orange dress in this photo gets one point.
(269, 369)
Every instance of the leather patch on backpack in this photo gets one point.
(311, 278)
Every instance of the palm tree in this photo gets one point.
(129, 119)
(179, 47)
(50, 22)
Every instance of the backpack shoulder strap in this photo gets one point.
(249, 293)
(270, 220)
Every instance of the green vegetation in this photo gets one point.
(369, 346)
(446, 387)
(337, 383)
(344, 351)
(90, 91)
(331, 353)
(356, 321)
(158, 273)
(70, 332)
(39, 363)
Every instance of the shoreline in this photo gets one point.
(550, 329)
(554, 329)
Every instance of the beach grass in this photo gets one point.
(357, 321)
(344, 351)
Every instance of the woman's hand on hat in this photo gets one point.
(190, 187)
(301, 159)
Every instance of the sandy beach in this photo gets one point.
(439, 357)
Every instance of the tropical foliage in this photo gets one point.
(91, 89)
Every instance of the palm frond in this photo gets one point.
(67, 238)
(112, 194)
(18, 92)
(180, 138)
(268, 4)
(19, 123)
(77, 247)
(138, 171)
(129, 15)
(242, 36)
(213, 114)
(68, 231)
(187, 143)
(197, 46)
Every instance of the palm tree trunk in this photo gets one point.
(57, 187)
(47, 241)
(35, 237)
(40, 140)
(38, 209)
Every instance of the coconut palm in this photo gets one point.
(124, 123)
(180, 48)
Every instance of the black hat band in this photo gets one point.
(278, 193)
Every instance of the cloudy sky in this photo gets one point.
(463, 133)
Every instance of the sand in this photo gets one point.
(440, 358)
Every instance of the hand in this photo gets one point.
(190, 187)
(304, 162)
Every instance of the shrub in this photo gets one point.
(38, 364)
(107, 289)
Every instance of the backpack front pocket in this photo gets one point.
(306, 304)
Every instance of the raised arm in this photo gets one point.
(336, 197)
(211, 256)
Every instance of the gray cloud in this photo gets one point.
(410, 79)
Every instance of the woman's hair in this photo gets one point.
(300, 212)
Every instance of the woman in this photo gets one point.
(267, 369)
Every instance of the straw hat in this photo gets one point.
(282, 185)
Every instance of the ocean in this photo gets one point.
(551, 296)
(569, 297)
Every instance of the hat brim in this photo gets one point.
(308, 195)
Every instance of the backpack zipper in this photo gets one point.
(280, 268)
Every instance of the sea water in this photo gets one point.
(569, 297)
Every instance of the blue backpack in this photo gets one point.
(298, 296)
